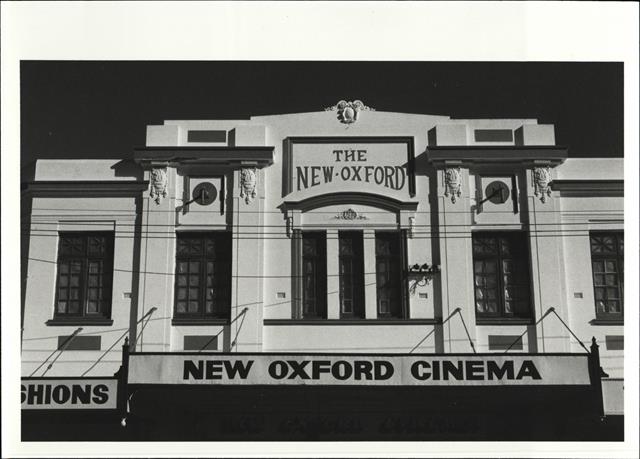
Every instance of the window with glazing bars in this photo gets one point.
(203, 275)
(607, 263)
(390, 256)
(501, 275)
(351, 264)
(85, 274)
(314, 274)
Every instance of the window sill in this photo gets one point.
(79, 322)
(197, 322)
(607, 322)
(503, 321)
(323, 322)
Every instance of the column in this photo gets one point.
(370, 293)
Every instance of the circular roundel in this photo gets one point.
(205, 193)
(497, 192)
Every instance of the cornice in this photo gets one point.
(86, 187)
(587, 187)
(258, 156)
(513, 155)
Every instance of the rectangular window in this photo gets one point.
(607, 263)
(390, 285)
(203, 275)
(314, 274)
(351, 268)
(501, 275)
(85, 274)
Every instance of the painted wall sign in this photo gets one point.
(324, 165)
(68, 394)
(401, 370)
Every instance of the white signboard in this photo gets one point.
(354, 370)
(69, 394)
(319, 167)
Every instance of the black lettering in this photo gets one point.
(345, 173)
(449, 368)
(368, 172)
(528, 369)
(213, 368)
(61, 394)
(356, 173)
(350, 155)
(382, 370)
(337, 153)
(400, 175)
(474, 370)
(278, 369)
(315, 175)
(240, 368)
(346, 374)
(81, 393)
(388, 176)
(193, 371)
(435, 370)
(361, 155)
(416, 368)
(328, 173)
(363, 368)
(493, 369)
(297, 369)
(100, 394)
(302, 177)
(23, 393)
(378, 175)
(47, 394)
(34, 397)
(319, 367)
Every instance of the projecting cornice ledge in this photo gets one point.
(225, 156)
(469, 156)
(589, 187)
(85, 187)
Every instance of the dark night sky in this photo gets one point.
(100, 109)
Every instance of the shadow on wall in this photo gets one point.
(128, 168)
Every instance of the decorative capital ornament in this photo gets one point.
(541, 182)
(453, 183)
(348, 111)
(159, 180)
(248, 181)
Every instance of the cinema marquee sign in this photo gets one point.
(68, 393)
(354, 370)
(327, 164)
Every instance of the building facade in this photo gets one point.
(347, 230)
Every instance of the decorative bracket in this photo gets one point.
(453, 183)
(248, 182)
(158, 185)
(542, 182)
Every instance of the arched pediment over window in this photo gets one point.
(349, 210)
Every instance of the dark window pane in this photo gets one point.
(84, 266)
(389, 262)
(200, 291)
(314, 272)
(607, 262)
(501, 266)
(351, 268)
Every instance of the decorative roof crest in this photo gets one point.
(348, 111)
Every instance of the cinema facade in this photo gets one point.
(345, 274)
